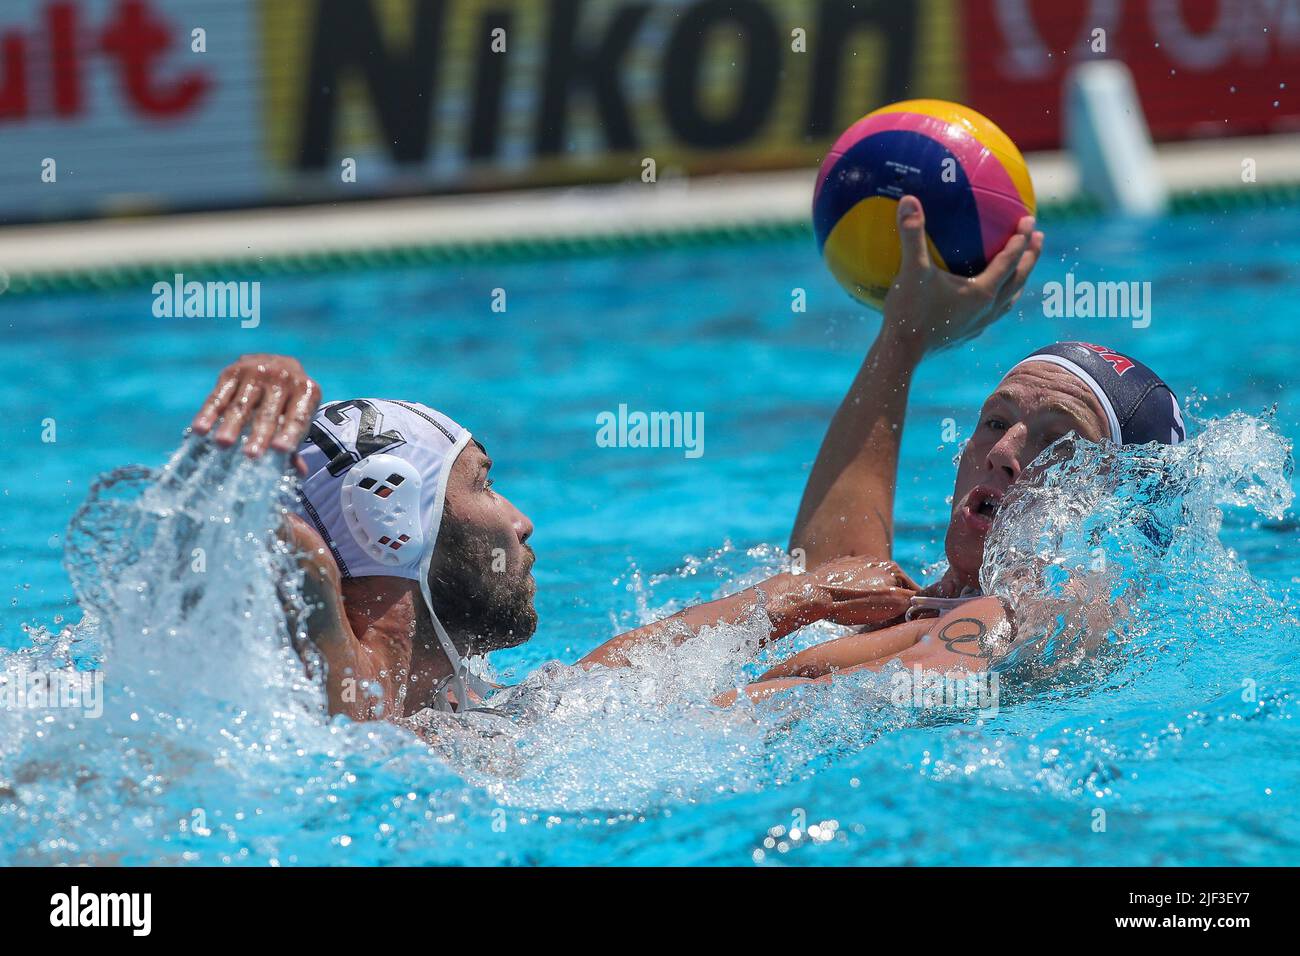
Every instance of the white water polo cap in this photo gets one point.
(376, 485)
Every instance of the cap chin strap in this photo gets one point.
(460, 678)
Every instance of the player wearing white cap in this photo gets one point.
(415, 562)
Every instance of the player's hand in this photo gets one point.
(933, 309)
(849, 590)
(273, 393)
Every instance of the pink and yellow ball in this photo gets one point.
(969, 176)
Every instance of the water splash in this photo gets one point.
(209, 712)
(181, 569)
(1094, 544)
(214, 746)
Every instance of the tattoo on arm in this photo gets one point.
(885, 523)
(963, 636)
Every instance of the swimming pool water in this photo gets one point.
(1194, 776)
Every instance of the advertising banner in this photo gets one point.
(120, 106)
(1201, 67)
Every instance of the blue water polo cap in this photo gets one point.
(1139, 406)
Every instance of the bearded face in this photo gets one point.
(481, 579)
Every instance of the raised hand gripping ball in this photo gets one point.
(971, 180)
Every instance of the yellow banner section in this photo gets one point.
(472, 94)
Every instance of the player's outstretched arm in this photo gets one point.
(847, 591)
(964, 639)
(848, 503)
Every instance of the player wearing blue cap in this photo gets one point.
(1091, 390)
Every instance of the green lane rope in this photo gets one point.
(559, 247)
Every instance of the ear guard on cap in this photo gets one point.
(380, 496)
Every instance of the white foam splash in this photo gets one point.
(1091, 533)
(214, 745)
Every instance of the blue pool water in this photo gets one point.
(1182, 741)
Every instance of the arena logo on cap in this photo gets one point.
(1084, 299)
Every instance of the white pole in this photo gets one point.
(1107, 135)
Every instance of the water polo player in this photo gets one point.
(1090, 390)
(413, 561)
